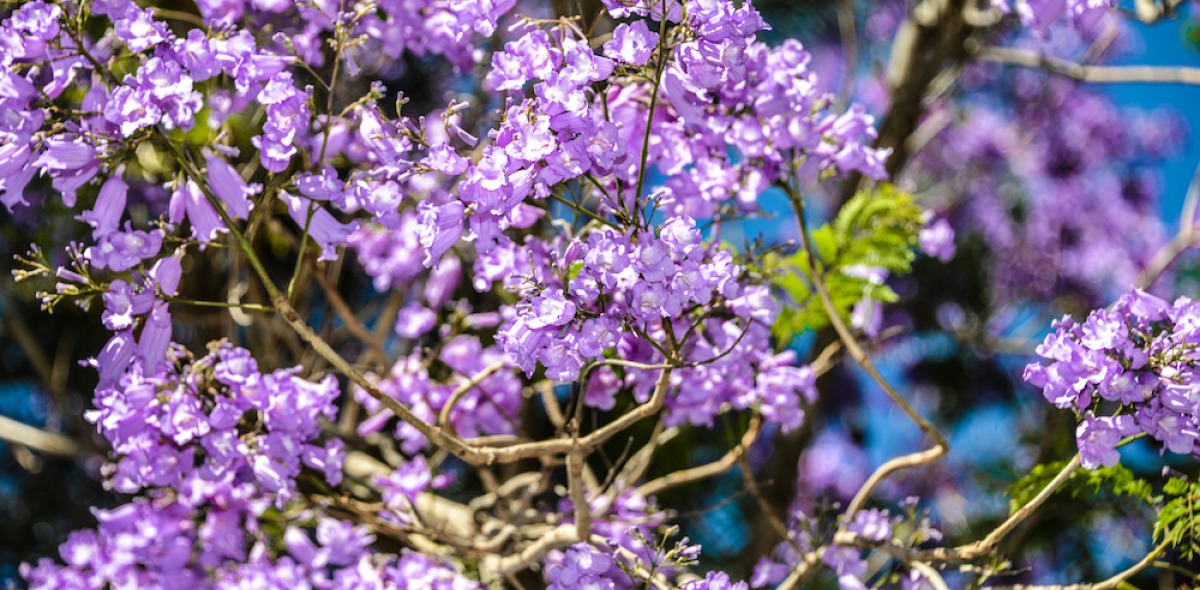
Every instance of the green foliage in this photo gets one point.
(1117, 479)
(1177, 503)
(1178, 520)
(876, 228)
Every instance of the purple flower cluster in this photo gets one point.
(29, 35)
(601, 567)
(768, 111)
(183, 429)
(616, 291)
(158, 544)
(287, 121)
(1127, 369)
(682, 97)
(391, 257)
(134, 306)
(1064, 196)
(583, 566)
(449, 28)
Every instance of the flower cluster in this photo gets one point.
(157, 545)
(1128, 369)
(603, 568)
(180, 429)
(582, 567)
(620, 292)
(682, 114)
(1045, 195)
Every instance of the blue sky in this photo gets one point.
(1165, 44)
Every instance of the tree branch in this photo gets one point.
(37, 439)
(1088, 73)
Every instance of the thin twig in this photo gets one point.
(989, 543)
(931, 575)
(848, 28)
(462, 389)
(350, 319)
(700, 472)
(940, 448)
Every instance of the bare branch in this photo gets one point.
(583, 512)
(37, 439)
(356, 327)
(694, 474)
(1088, 73)
(931, 575)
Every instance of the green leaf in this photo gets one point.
(1117, 479)
(1178, 520)
(574, 270)
(876, 228)
(826, 244)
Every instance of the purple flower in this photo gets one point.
(131, 109)
(122, 250)
(442, 282)
(138, 29)
(15, 174)
(195, 53)
(105, 216)
(874, 525)
(155, 337)
(326, 231)
(444, 159)
(937, 240)
(441, 228)
(551, 309)
(188, 200)
(581, 567)
(632, 44)
(71, 162)
(414, 320)
(229, 187)
(114, 358)
(409, 480)
(287, 119)
(1098, 438)
(715, 581)
(36, 23)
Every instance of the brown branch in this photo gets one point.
(700, 472)
(475, 455)
(930, 41)
(561, 536)
(764, 506)
(37, 439)
(1089, 73)
(462, 389)
(989, 543)
(583, 512)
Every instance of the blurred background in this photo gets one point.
(1059, 194)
